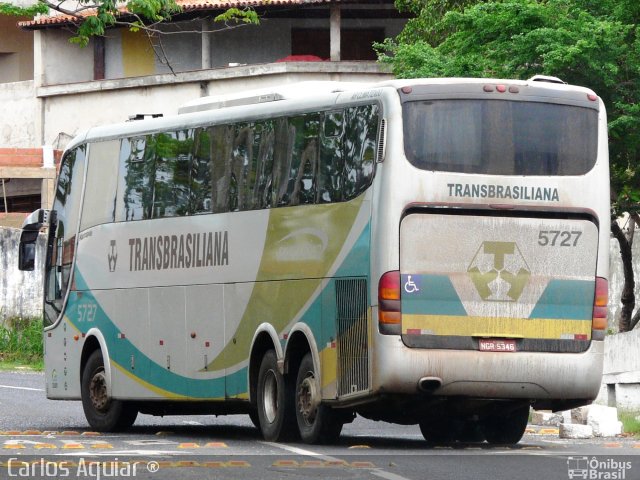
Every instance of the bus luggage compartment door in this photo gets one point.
(507, 284)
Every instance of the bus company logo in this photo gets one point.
(596, 469)
(112, 256)
(499, 271)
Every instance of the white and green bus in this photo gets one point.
(430, 251)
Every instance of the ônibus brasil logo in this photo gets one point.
(595, 469)
(499, 271)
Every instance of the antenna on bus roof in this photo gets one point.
(547, 79)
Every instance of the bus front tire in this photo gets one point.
(102, 412)
(275, 401)
(317, 423)
(255, 419)
(507, 428)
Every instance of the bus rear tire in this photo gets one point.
(317, 423)
(507, 428)
(103, 413)
(438, 432)
(275, 401)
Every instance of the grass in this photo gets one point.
(21, 343)
(630, 422)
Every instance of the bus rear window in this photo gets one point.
(500, 137)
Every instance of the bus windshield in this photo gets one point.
(500, 137)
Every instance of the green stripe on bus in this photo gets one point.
(566, 299)
(437, 296)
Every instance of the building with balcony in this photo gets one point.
(125, 73)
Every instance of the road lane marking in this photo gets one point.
(23, 388)
(298, 451)
(333, 460)
(387, 475)
(192, 422)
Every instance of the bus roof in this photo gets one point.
(296, 96)
(289, 91)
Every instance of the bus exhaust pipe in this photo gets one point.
(429, 384)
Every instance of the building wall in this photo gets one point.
(70, 109)
(16, 51)
(56, 61)
(621, 375)
(129, 54)
(272, 39)
(18, 112)
(20, 292)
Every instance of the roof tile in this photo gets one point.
(187, 6)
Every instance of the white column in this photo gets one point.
(334, 33)
(206, 45)
(39, 78)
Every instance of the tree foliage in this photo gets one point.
(595, 43)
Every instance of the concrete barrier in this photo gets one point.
(621, 374)
(20, 292)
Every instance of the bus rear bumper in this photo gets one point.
(497, 375)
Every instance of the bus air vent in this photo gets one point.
(143, 116)
(353, 338)
(547, 79)
(381, 141)
(214, 103)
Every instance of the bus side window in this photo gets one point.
(62, 241)
(200, 191)
(282, 158)
(298, 168)
(136, 174)
(102, 176)
(264, 139)
(223, 192)
(360, 142)
(305, 183)
(172, 152)
(243, 165)
(331, 164)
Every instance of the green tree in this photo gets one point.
(595, 43)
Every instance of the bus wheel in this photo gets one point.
(255, 418)
(317, 423)
(275, 400)
(469, 431)
(441, 432)
(507, 428)
(102, 412)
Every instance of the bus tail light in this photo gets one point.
(600, 301)
(389, 315)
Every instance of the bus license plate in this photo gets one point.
(497, 345)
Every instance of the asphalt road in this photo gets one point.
(40, 438)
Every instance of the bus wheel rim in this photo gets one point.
(308, 399)
(270, 397)
(98, 391)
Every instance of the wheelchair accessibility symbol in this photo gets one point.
(410, 286)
